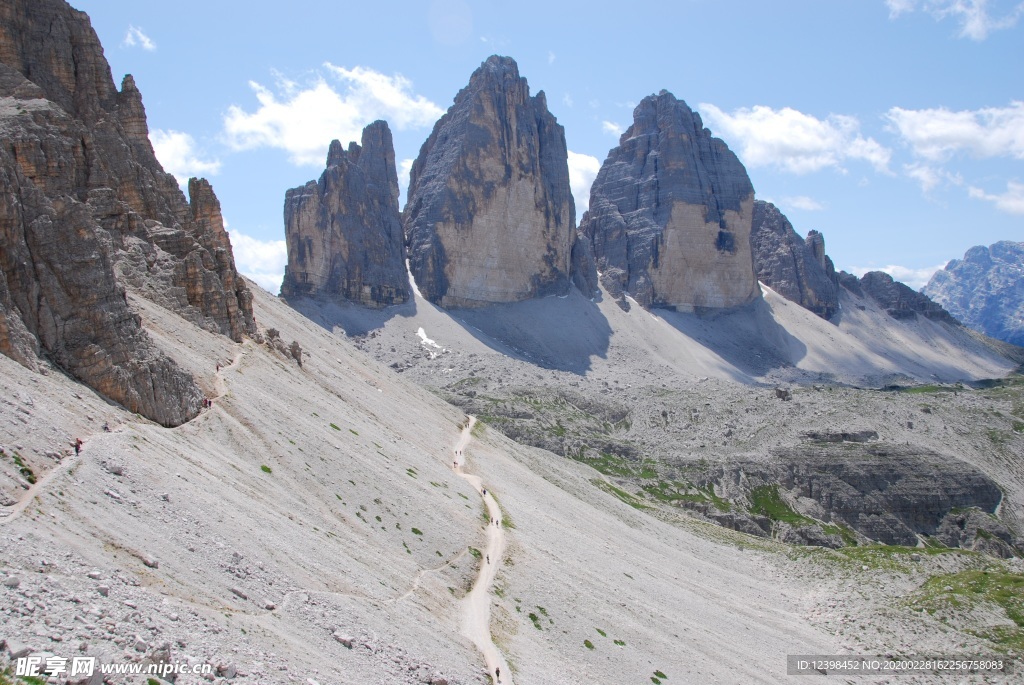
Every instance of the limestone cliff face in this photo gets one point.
(344, 233)
(798, 270)
(670, 213)
(490, 216)
(985, 290)
(87, 210)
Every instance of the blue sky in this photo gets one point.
(894, 127)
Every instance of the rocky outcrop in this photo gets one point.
(87, 211)
(798, 270)
(490, 216)
(344, 233)
(832, 494)
(898, 299)
(670, 213)
(985, 290)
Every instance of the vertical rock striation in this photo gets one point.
(798, 270)
(490, 216)
(86, 210)
(670, 213)
(985, 290)
(344, 233)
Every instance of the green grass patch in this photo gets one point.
(475, 553)
(765, 500)
(266, 469)
(628, 498)
(335, 426)
(601, 632)
(417, 531)
(659, 674)
(948, 594)
(848, 536)
(411, 472)
(535, 619)
(620, 643)
(353, 432)
(588, 644)
(25, 471)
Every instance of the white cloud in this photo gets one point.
(261, 260)
(915, 278)
(567, 99)
(611, 127)
(178, 155)
(303, 121)
(937, 134)
(551, 57)
(796, 142)
(1011, 202)
(582, 171)
(136, 38)
(931, 177)
(975, 19)
(803, 202)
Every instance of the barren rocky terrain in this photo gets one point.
(176, 543)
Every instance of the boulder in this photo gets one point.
(344, 233)
(490, 216)
(670, 214)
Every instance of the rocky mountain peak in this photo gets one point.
(795, 268)
(344, 233)
(670, 213)
(985, 290)
(490, 216)
(89, 213)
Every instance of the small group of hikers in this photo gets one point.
(207, 403)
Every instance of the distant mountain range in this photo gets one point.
(985, 290)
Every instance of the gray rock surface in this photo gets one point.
(985, 290)
(88, 210)
(798, 270)
(490, 216)
(670, 213)
(899, 300)
(344, 233)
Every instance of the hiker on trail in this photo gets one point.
(218, 367)
(78, 446)
(485, 492)
(488, 558)
(497, 674)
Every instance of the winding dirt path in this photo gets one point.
(476, 617)
(8, 514)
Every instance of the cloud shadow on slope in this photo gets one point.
(747, 337)
(560, 333)
(355, 320)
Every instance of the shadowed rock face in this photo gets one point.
(670, 213)
(799, 271)
(86, 209)
(344, 233)
(490, 216)
(985, 290)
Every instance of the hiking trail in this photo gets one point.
(476, 617)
